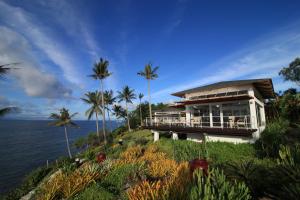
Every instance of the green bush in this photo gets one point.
(28, 183)
(215, 186)
(93, 192)
(217, 152)
(271, 138)
(116, 179)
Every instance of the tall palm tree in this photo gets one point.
(101, 72)
(109, 100)
(93, 99)
(64, 119)
(126, 95)
(140, 98)
(149, 74)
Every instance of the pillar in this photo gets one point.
(174, 136)
(156, 135)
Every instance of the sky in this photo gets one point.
(194, 42)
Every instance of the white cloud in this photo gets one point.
(29, 76)
(265, 57)
(40, 36)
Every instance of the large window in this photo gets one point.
(237, 113)
(201, 115)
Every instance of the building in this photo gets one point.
(230, 111)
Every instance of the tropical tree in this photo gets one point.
(119, 111)
(126, 95)
(101, 72)
(109, 100)
(4, 111)
(64, 119)
(4, 69)
(292, 72)
(149, 74)
(94, 100)
(140, 98)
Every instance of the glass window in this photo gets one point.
(201, 115)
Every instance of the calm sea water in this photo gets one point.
(25, 145)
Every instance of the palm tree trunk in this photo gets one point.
(128, 118)
(141, 113)
(67, 139)
(150, 110)
(110, 128)
(97, 126)
(103, 112)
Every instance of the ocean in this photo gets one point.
(26, 145)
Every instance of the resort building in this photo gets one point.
(231, 111)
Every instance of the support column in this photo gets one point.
(174, 136)
(156, 135)
(210, 116)
(188, 115)
(221, 116)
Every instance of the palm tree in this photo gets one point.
(140, 98)
(109, 100)
(126, 95)
(4, 111)
(101, 72)
(94, 99)
(119, 112)
(149, 74)
(4, 69)
(64, 119)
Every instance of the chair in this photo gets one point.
(241, 122)
(196, 121)
(231, 120)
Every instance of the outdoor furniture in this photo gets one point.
(241, 122)
(196, 121)
(231, 120)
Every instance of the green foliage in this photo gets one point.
(28, 183)
(94, 192)
(217, 152)
(271, 138)
(288, 171)
(290, 107)
(117, 178)
(292, 72)
(215, 186)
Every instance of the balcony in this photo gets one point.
(216, 125)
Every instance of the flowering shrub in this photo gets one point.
(131, 155)
(66, 185)
(171, 187)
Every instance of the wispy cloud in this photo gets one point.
(265, 56)
(29, 76)
(23, 22)
(176, 18)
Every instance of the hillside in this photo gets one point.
(142, 169)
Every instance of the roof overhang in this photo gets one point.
(264, 86)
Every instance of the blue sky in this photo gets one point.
(193, 42)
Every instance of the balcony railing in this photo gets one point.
(234, 122)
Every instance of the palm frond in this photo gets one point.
(5, 111)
